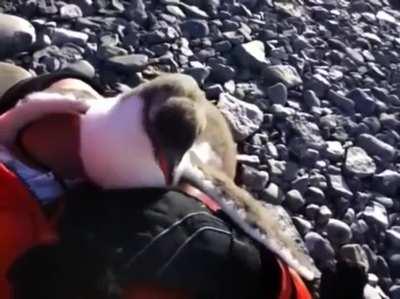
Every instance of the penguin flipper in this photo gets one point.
(268, 224)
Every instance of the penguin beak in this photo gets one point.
(167, 161)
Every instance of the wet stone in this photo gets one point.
(253, 178)
(278, 93)
(358, 162)
(338, 232)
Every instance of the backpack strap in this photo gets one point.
(292, 286)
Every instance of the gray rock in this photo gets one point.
(175, 11)
(394, 291)
(324, 214)
(339, 185)
(294, 200)
(311, 99)
(86, 6)
(393, 237)
(200, 74)
(83, 67)
(320, 249)
(364, 104)
(315, 195)
(334, 150)
(193, 11)
(195, 28)
(221, 73)
(285, 74)
(11, 74)
(344, 103)
(354, 254)
(61, 36)
(387, 182)
(129, 63)
(358, 163)
(302, 225)
(374, 292)
(394, 264)
(273, 194)
(374, 146)
(214, 91)
(253, 178)
(359, 229)
(244, 118)
(376, 214)
(318, 84)
(70, 11)
(16, 35)
(355, 55)
(338, 232)
(390, 121)
(278, 93)
(251, 55)
(136, 11)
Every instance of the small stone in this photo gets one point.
(285, 74)
(364, 104)
(374, 146)
(83, 67)
(221, 73)
(278, 93)
(311, 99)
(16, 35)
(339, 185)
(344, 103)
(193, 29)
(393, 237)
(136, 11)
(320, 249)
(318, 84)
(334, 150)
(253, 178)
(272, 194)
(394, 291)
(387, 182)
(358, 163)
(394, 264)
(129, 63)
(176, 11)
(70, 11)
(10, 74)
(324, 214)
(338, 232)
(251, 55)
(376, 214)
(354, 254)
(214, 91)
(294, 200)
(302, 225)
(61, 36)
(376, 292)
(315, 195)
(244, 118)
(200, 74)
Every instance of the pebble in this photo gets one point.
(302, 225)
(318, 84)
(374, 146)
(278, 93)
(354, 254)
(320, 249)
(364, 104)
(315, 195)
(273, 194)
(285, 74)
(83, 67)
(339, 185)
(70, 11)
(338, 232)
(129, 63)
(251, 55)
(387, 182)
(16, 35)
(193, 29)
(376, 214)
(334, 150)
(61, 36)
(244, 118)
(311, 99)
(294, 200)
(253, 178)
(358, 163)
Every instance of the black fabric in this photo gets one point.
(39, 83)
(160, 235)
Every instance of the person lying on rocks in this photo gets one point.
(87, 242)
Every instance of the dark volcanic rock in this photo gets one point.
(374, 146)
(251, 55)
(358, 162)
(285, 74)
(129, 63)
(195, 28)
(278, 93)
(364, 104)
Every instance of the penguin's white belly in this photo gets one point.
(116, 150)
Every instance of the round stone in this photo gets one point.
(294, 200)
(10, 74)
(16, 35)
(338, 232)
(278, 93)
(359, 163)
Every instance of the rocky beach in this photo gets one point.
(310, 88)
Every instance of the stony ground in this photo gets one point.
(311, 91)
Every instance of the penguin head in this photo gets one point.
(174, 118)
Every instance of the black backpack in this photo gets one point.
(111, 239)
